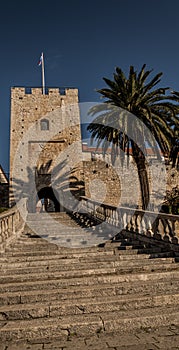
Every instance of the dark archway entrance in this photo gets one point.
(51, 199)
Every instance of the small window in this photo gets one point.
(44, 124)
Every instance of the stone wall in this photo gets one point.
(119, 185)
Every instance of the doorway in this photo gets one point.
(50, 197)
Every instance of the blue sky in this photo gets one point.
(82, 43)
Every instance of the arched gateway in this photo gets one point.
(51, 200)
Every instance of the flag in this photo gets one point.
(41, 63)
(40, 60)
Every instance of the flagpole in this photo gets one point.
(43, 75)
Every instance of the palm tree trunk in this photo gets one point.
(144, 184)
(143, 176)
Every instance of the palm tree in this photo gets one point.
(151, 106)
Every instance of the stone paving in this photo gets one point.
(164, 338)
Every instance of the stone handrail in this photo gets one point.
(158, 226)
(11, 223)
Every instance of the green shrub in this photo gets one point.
(2, 209)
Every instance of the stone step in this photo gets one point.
(47, 265)
(58, 218)
(50, 275)
(85, 306)
(87, 324)
(44, 251)
(53, 292)
(123, 243)
(54, 221)
(55, 280)
(53, 242)
(30, 247)
(83, 257)
(75, 264)
(54, 229)
(37, 228)
(73, 242)
(30, 242)
(55, 246)
(56, 250)
(60, 259)
(69, 270)
(80, 273)
(27, 244)
(33, 238)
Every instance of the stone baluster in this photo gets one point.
(124, 220)
(161, 225)
(132, 223)
(116, 218)
(167, 233)
(107, 215)
(143, 226)
(3, 230)
(128, 227)
(173, 224)
(104, 215)
(149, 228)
(138, 220)
(6, 227)
(111, 216)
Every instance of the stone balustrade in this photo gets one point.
(11, 223)
(144, 225)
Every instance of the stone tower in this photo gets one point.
(44, 133)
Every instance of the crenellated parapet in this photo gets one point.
(49, 91)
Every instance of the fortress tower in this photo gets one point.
(43, 126)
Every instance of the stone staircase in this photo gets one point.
(50, 294)
(59, 228)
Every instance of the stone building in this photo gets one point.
(4, 189)
(48, 159)
(43, 126)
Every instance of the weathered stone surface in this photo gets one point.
(96, 298)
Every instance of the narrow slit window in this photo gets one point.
(44, 124)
